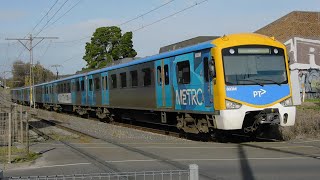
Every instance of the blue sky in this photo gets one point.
(213, 17)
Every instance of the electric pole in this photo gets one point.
(30, 49)
(56, 66)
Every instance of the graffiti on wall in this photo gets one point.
(305, 57)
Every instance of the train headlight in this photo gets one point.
(287, 102)
(232, 105)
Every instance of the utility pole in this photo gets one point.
(30, 49)
(56, 66)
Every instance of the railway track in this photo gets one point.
(104, 165)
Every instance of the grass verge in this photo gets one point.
(307, 122)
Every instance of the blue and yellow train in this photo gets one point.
(234, 82)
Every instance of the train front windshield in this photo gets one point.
(254, 66)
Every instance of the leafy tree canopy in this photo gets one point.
(21, 71)
(108, 45)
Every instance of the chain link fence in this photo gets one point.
(13, 133)
(191, 174)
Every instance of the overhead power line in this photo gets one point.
(36, 27)
(43, 27)
(126, 22)
(189, 7)
(44, 16)
(76, 4)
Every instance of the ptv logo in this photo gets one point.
(259, 93)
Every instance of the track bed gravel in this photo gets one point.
(105, 130)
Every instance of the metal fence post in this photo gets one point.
(194, 171)
(21, 126)
(1, 174)
(27, 134)
(15, 135)
(9, 139)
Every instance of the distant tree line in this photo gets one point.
(21, 74)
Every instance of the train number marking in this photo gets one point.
(188, 97)
(259, 93)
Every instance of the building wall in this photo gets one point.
(295, 24)
(305, 65)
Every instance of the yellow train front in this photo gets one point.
(251, 85)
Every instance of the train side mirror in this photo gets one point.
(211, 68)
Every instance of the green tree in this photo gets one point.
(21, 71)
(108, 45)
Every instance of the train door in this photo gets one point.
(73, 91)
(207, 78)
(163, 83)
(90, 90)
(50, 90)
(104, 89)
(188, 82)
(96, 98)
(55, 93)
(83, 90)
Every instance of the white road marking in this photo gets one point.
(155, 160)
(58, 165)
(217, 159)
(306, 141)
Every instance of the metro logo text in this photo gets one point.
(189, 97)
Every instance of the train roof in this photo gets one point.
(200, 46)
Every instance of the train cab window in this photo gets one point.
(90, 85)
(82, 85)
(183, 72)
(166, 74)
(134, 78)
(146, 77)
(159, 75)
(206, 69)
(97, 83)
(123, 78)
(114, 80)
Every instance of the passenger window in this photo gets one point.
(90, 85)
(206, 69)
(183, 72)
(146, 77)
(134, 78)
(82, 85)
(106, 82)
(159, 75)
(114, 80)
(78, 85)
(67, 87)
(97, 83)
(123, 77)
(166, 74)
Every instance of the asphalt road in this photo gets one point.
(246, 161)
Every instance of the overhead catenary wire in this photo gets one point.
(126, 22)
(141, 15)
(159, 20)
(43, 27)
(76, 4)
(44, 15)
